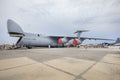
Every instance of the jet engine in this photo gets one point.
(62, 40)
(74, 42)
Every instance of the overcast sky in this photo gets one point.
(61, 17)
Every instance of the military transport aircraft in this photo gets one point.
(116, 43)
(30, 40)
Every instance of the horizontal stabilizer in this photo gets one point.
(118, 40)
(79, 31)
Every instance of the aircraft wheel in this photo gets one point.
(78, 46)
(29, 47)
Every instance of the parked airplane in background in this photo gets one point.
(30, 40)
(116, 43)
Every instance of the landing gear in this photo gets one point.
(29, 47)
(78, 46)
(49, 46)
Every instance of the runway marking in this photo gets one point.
(65, 68)
(112, 58)
(103, 71)
(110, 63)
(107, 69)
(70, 65)
(36, 71)
(60, 70)
(17, 66)
(80, 75)
(15, 62)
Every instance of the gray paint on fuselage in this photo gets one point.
(30, 39)
(37, 41)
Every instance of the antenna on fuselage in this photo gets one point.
(79, 32)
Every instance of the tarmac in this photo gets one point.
(60, 64)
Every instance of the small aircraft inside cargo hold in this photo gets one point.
(30, 40)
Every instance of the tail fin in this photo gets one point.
(79, 32)
(14, 29)
(118, 40)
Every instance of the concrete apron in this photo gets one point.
(65, 68)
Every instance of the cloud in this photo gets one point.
(63, 17)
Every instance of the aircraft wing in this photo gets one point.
(55, 38)
(117, 44)
(82, 38)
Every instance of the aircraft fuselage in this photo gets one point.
(37, 41)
